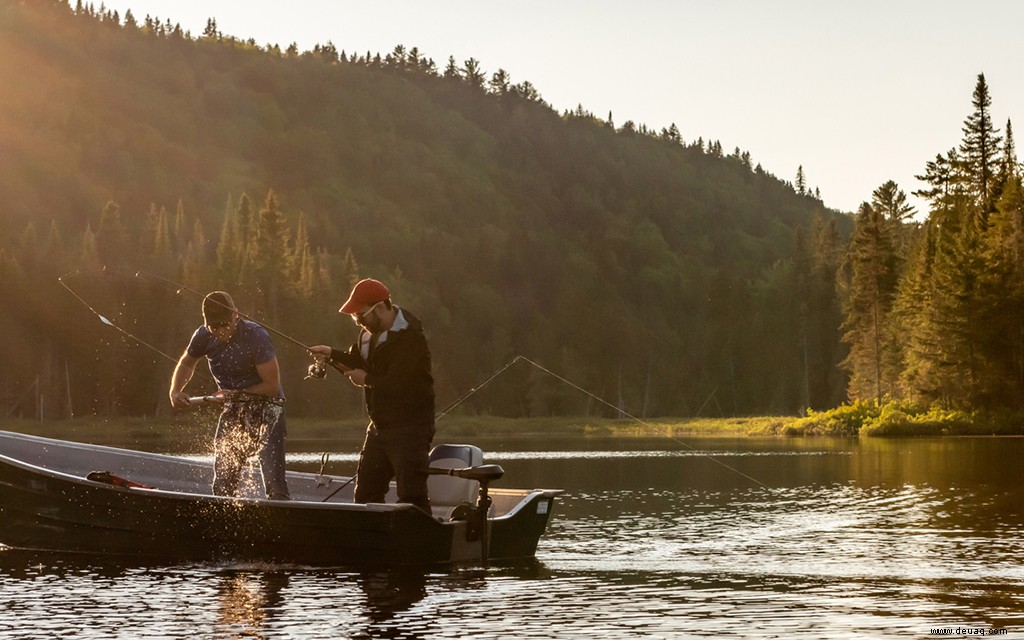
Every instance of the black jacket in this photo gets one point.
(399, 386)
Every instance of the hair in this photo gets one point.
(218, 308)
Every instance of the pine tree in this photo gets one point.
(961, 309)
(161, 256)
(1008, 166)
(500, 82)
(350, 267)
(90, 258)
(451, 71)
(914, 313)
(980, 148)
(112, 240)
(194, 260)
(891, 203)
(180, 224)
(269, 254)
(228, 241)
(1005, 280)
(801, 181)
(873, 361)
(472, 74)
(54, 250)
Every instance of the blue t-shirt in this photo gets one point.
(233, 363)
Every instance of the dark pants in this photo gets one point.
(244, 430)
(402, 453)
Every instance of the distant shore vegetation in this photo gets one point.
(858, 419)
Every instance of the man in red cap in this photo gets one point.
(390, 360)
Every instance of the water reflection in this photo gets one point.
(248, 602)
(843, 539)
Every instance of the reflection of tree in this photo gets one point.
(247, 602)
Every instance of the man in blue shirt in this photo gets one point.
(244, 365)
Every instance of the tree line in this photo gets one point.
(934, 311)
(666, 276)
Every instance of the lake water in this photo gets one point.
(654, 538)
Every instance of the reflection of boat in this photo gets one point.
(145, 504)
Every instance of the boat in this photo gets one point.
(63, 496)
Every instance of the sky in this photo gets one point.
(856, 93)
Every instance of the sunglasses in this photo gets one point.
(361, 316)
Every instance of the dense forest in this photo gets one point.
(141, 164)
(934, 313)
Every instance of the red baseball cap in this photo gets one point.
(366, 292)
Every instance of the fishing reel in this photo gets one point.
(317, 370)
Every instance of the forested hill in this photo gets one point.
(646, 266)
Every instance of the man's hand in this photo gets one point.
(356, 377)
(179, 400)
(320, 350)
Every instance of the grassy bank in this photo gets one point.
(857, 419)
(167, 432)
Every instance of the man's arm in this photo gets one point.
(182, 374)
(270, 379)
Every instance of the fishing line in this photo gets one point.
(178, 288)
(105, 320)
(604, 402)
(466, 396)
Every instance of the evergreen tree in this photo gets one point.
(269, 254)
(961, 308)
(350, 268)
(1008, 166)
(229, 241)
(54, 250)
(980, 147)
(801, 181)
(1005, 280)
(90, 259)
(161, 255)
(451, 70)
(194, 260)
(891, 203)
(472, 74)
(914, 311)
(500, 83)
(873, 361)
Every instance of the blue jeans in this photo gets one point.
(243, 430)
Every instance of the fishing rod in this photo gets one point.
(604, 402)
(315, 370)
(180, 287)
(105, 320)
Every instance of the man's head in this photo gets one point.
(369, 304)
(219, 314)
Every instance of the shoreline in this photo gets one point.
(198, 427)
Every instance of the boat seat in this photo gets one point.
(449, 491)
